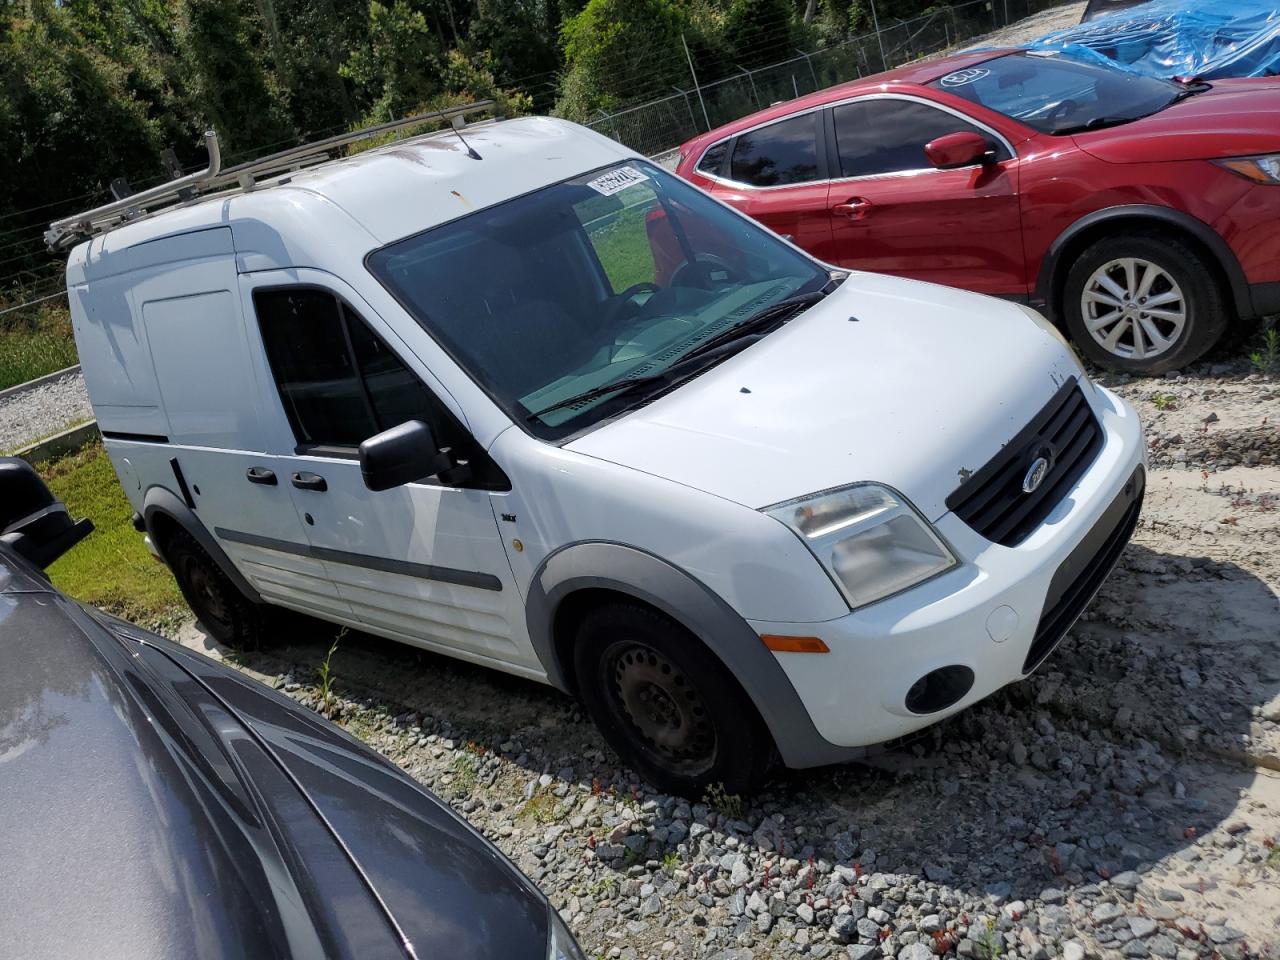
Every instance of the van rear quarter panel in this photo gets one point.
(115, 288)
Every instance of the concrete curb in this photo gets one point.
(60, 444)
(21, 388)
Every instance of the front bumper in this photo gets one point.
(998, 614)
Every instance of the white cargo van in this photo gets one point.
(531, 401)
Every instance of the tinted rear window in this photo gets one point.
(713, 160)
(781, 153)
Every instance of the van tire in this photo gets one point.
(226, 614)
(1202, 305)
(667, 705)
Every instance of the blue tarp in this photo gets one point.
(1181, 38)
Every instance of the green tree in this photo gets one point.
(72, 118)
(227, 60)
(618, 52)
(514, 38)
(398, 66)
(759, 32)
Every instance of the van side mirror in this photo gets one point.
(961, 149)
(33, 522)
(407, 453)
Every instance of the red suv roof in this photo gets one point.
(919, 72)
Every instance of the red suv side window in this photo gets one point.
(781, 153)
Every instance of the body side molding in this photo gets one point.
(424, 571)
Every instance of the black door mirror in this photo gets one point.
(33, 522)
(407, 453)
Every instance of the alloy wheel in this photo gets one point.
(1133, 308)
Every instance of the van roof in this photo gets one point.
(395, 190)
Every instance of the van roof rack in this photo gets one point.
(62, 233)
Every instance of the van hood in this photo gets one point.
(1237, 118)
(888, 380)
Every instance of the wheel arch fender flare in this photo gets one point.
(636, 573)
(160, 503)
(1053, 270)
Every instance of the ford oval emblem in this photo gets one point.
(1035, 475)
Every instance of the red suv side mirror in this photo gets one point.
(961, 149)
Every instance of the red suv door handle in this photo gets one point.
(855, 208)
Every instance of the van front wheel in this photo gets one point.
(226, 614)
(667, 705)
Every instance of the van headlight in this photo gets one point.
(870, 540)
(560, 942)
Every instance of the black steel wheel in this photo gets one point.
(667, 705)
(226, 614)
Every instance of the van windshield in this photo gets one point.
(609, 277)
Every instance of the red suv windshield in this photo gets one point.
(1057, 95)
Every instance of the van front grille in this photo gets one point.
(1004, 501)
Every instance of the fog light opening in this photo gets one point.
(939, 689)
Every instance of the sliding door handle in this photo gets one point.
(310, 481)
(261, 475)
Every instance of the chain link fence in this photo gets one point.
(659, 126)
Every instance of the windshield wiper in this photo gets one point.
(750, 329)
(754, 326)
(1097, 123)
(1191, 89)
(621, 387)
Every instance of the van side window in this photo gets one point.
(339, 383)
(319, 384)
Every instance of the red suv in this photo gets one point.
(1141, 213)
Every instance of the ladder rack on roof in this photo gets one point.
(62, 233)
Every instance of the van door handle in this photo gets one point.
(261, 475)
(855, 208)
(310, 481)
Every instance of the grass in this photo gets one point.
(33, 343)
(325, 673)
(1266, 359)
(466, 771)
(111, 568)
(990, 944)
(724, 803)
(622, 243)
(1164, 401)
(541, 807)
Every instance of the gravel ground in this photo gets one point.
(43, 410)
(1124, 802)
(1033, 27)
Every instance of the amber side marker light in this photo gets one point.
(794, 644)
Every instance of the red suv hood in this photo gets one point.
(1237, 118)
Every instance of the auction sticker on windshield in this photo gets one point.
(961, 77)
(616, 180)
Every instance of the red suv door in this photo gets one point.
(777, 174)
(892, 211)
